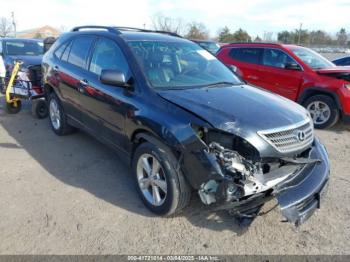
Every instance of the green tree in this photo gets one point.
(285, 37)
(257, 39)
(197, 31)
(319, 37)
(225, 35)
(241, 36)
(342, 37)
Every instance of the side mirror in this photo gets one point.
(113, 77)
(232, 68)
(292, 66)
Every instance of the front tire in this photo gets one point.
(162, 188)
(323, 111)
(58, 118)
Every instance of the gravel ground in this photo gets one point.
(72, 195)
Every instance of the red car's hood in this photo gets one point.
(335, 70)
(339, 72)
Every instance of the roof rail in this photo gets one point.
(121, 28)
(110, 29)
(257, 43)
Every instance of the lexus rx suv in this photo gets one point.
(184, 122)
(297, 73)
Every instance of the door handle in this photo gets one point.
(252, 77)
(83, 82)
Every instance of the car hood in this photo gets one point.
(27, 60)
(242, 110)
(339, 72)
(334, 70)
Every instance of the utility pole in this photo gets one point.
(299, 36)
(14, 23)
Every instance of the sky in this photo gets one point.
(255, 16)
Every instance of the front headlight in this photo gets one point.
(347, 86)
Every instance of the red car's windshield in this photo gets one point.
(311, 58)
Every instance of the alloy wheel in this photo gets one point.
(151, 179)
(55, 116)
(320, 112)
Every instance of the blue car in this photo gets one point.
(29, 51)
(343, 61)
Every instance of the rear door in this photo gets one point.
(248, 61)
(70, 71)
(277, 78)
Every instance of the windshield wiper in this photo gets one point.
(222, 83)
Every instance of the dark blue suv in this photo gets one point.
(184, 122)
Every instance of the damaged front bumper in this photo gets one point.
(298, 195)
(301, 195)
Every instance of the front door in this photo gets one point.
(277, 77)
(105, 106)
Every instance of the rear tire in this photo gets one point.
(58, 118)
(323, 111)
(178, 191)
(12, 109)
(39, 108)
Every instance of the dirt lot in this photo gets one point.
(72, 195)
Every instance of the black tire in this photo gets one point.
(12, 109)
(63, 128)
(39, 108)
(179, 191)
(334, 111)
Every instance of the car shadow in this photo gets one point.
(81, 161)
(340, 128)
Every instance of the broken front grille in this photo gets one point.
(291, 138)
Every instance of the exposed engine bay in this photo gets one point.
(248, 176)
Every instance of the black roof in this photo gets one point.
(130, 33)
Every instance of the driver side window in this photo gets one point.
(276, 58)
(107, 55)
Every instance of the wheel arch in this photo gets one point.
(312, 91)
(142, 135)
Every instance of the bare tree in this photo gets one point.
(169, 24)
(5, 27)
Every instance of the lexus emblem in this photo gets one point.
(301, 136)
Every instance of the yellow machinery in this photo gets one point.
(13, 103)
(20, 87)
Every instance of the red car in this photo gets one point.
(297, 73)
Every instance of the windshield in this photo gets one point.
(180, 65)
(17, 47)
(311, 58)
(210, 46)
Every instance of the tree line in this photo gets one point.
(195, 30)
(198, 30)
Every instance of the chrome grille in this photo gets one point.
(290, 138)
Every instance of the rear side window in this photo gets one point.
(65, 54)
(249, 55)
(80, 51)
(59, 51)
